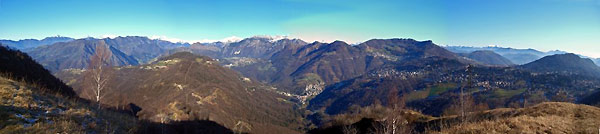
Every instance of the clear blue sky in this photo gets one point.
(571, 25)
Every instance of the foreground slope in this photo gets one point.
(18, 65)
(184, 86)
(24, 109)
(33, 101)
(549, 117)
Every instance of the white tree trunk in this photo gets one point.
(98, 72)
(394, 126)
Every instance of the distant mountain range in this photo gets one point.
(488, 57)
(33, 43)
(130, 50)
(517, 56)
(282, 62)
(144, 50)
(265, 84)
(76, 54)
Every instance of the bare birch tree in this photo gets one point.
(99, 72)
(463, 99)
(394, 122)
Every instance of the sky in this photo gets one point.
(569, 25)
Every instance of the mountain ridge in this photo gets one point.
(25, 44)
(76, 54)
(130, 50)
(564, 63)
(517, 56)
(488, 57)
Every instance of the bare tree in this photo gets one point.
(395, 122)
(99, 72)
(463, 111)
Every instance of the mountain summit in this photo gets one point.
(564, 63)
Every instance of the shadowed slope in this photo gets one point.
(18, 65)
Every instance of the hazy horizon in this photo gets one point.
(235, 38)
(545, 25)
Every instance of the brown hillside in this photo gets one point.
(184, 86)
(549, 117)
(23, 109)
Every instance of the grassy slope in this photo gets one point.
(549, 117)
(23, 109)
(503, 93)
(430, 91)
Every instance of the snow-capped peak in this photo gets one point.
(272, 38)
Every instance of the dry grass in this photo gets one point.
(376, 112)
(550, 117)
(24, 109)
